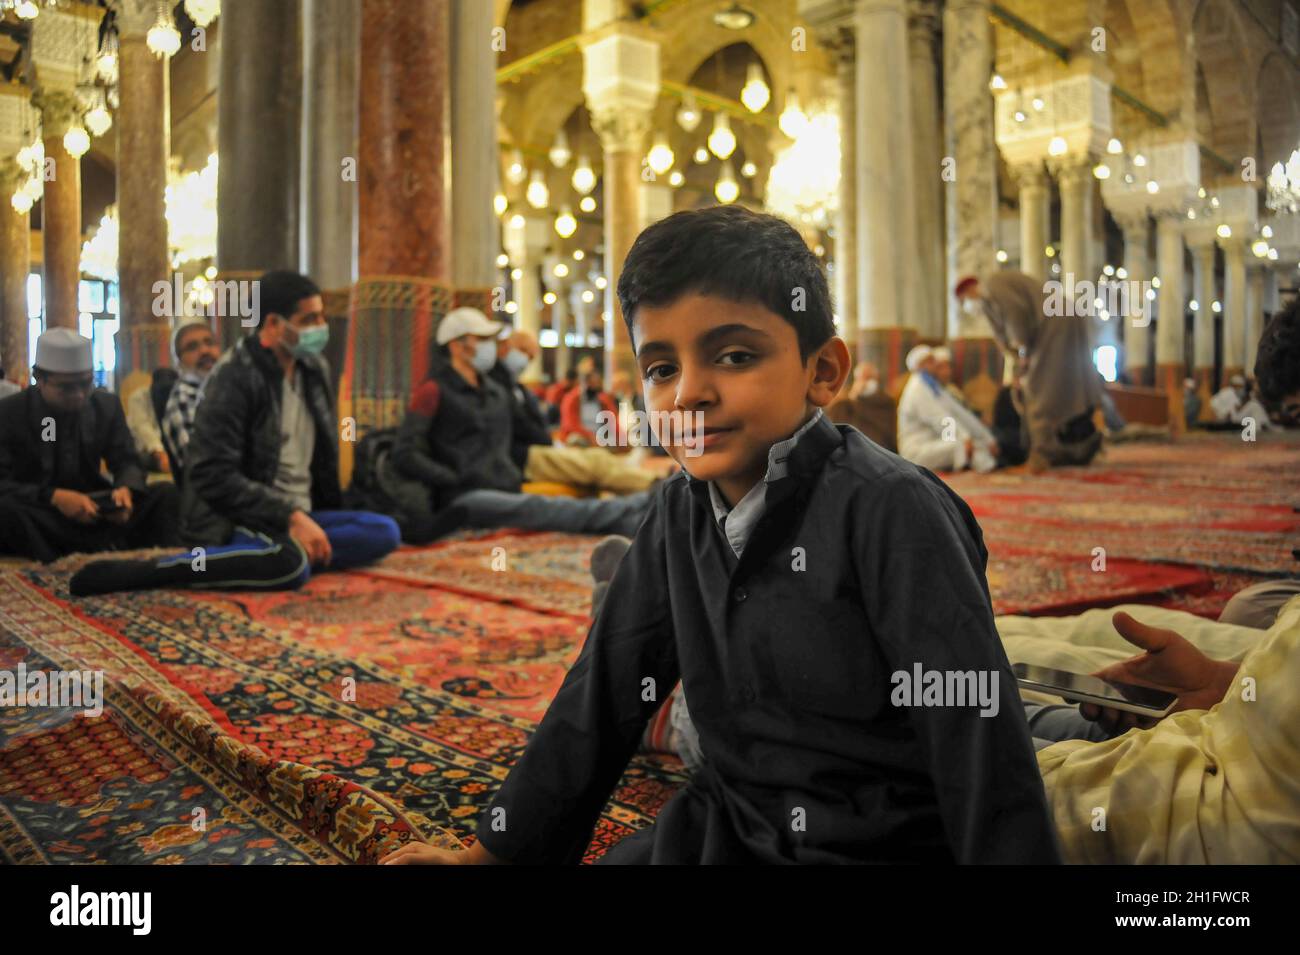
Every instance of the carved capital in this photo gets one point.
(59, 111)
(621, 129)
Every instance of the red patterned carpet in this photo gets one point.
(370, 708)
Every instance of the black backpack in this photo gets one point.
(366, 492)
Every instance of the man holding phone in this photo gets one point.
(54, 499)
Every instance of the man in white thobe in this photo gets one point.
(934, 429)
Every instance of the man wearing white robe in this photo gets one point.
(934, 429)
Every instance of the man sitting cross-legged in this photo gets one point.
(261, 468)
(454, 450)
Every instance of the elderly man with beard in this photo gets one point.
(195, 352)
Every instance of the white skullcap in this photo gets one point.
(63, 350)
(918, 356)
(941, 353)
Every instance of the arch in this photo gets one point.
(1278, 93)
(1229, 90)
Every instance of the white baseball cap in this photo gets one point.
(466, 321)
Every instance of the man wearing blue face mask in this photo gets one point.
(261, 497)
(452, 466)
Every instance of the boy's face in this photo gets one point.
(738, 365)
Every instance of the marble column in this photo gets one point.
(526, 239)
(258, 137)
(474, 224)
(846, 220)
(1076, 184)
(328, 241)
(60, 214)
(621, 86)
(143, 146)
(1035, 218)
(1136, 227)
(404, 205)
(1234, 305)
(1170, 335)
(931, 293)
(15, 264)
(888, 271)
(1203, 288)
(968, 105)
(561, 320)
(1254, 325)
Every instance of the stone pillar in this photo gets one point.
(526, 239)
(474, 225)
(886, 188)
(1035, 218)
(1136, 226)
(1254, 326)
(931, 294)
(143, 146)
(1170, 336)
(968, 106)
(15, 264)
(328, 241)
(403, 207)
(846, 221)
(1075, 178)
(1234, 305)
(561, 321)
(620, 81)
(1203, 288)
(60, 214)
(258, 130)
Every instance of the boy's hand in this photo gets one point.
(122, 498)
(417, 853)
(313, 540)
(75, 506)
(1171, 664)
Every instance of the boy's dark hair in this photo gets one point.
(280, 291)
(1277, 362)
(733, 253)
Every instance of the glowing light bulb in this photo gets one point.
(1001, 255)
(560, 153)
(1057, 147)
(793, 120)
(516, 172)
(98, 120)
(579, 255)
(499, 204)
(722, 141)
(688, 114)
(21, 202)
(660, 157)
(676, 179)
(76, 141)
(1152, 186)
(701, 155)
(1224, 231)
(997, 83)
(755, 94)
(1114, 147)
(26, 10)
(163, 39)
(503, 260)
(601, 281)
(726, 188)
(565, 224)
(588, 296)
(584, 177)
(749, 170)
(1101, 171)
(1139, 160)
(561, 270)
(587, 204)
(537, 194)
(1260, 248)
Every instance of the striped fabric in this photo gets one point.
(1218, 786)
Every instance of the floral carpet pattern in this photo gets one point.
(371, 708)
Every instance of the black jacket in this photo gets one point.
(27, 464)
(456, 437)
(863, 566)
(234, 449)
(529, 424)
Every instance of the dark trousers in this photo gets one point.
(40, 532)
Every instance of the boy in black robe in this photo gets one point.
(822, 600)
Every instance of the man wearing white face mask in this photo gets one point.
(455, 446)
(531, 448)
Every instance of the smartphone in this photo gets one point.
(104, 500)
(1082, 688)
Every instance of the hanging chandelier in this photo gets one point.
(163, 39)
(804, 181)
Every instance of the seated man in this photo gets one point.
(581, 411)
(143, 412)
(261, 467)
(195, 352)
(454, 445)
(866, 380)
(934, 430)
(54, 500)
(530, 445)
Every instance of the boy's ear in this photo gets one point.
(830, 365)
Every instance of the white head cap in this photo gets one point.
(918, 357)
(466, 321)
(63, 350)
(941, 353)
